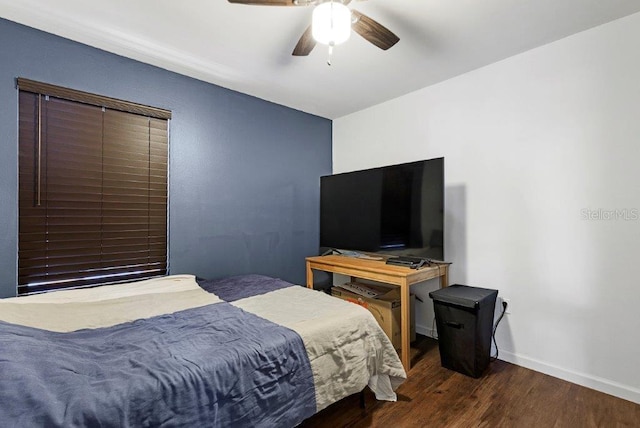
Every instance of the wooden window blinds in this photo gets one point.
(92, 189)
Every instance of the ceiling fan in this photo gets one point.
(332, 24)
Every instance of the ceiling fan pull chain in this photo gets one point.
(330, 53)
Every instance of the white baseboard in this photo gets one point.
(426, 331)
(594, 382)
(616, 389)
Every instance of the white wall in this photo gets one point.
(529, 144)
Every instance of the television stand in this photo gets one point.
(378, 270)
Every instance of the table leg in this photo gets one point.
(405, 326)
(309, 276)
(444, 277)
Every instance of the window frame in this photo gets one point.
(107, 104)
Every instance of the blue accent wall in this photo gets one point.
(243, 175)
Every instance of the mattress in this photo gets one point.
(175, 351)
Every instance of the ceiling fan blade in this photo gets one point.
(269, 2)
(373, 31)
(305, 44)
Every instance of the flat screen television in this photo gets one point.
(394, 210)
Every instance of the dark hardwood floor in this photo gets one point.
(506, 396)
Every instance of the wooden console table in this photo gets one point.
(376, 270)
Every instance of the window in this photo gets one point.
(92, 189)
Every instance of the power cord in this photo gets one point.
(495, 327)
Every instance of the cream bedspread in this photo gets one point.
(105, 306)
(347, 348)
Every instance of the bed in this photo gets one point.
(182, 351)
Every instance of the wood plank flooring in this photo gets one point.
(506, 396)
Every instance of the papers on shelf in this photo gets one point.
(364, 290)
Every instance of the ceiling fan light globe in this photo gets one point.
(331, 23)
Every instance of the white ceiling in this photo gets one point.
(248, 48)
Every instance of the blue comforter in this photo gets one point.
(215, 365)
